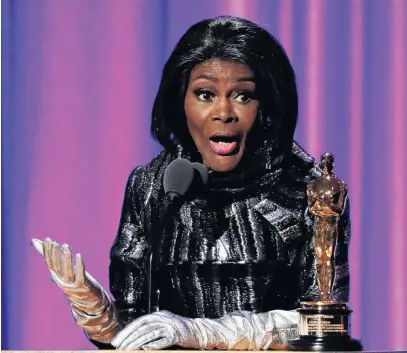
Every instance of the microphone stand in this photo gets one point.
(176, 201)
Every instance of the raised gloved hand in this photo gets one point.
(240, 330)
(91, 306)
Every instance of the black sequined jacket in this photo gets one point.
(240, 244)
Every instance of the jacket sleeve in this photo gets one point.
(128, 255)
(127, 274)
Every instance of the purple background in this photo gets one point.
(79, 79)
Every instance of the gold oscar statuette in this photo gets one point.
(325, 323)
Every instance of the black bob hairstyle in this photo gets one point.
(232, 39)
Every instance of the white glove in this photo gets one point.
(240, 330)
(91, 306)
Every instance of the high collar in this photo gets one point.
(260, 166)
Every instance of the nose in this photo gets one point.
(223, 111)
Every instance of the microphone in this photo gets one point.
(201, 174)
(181, 179)
(178, 178)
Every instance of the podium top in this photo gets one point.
(143, 351)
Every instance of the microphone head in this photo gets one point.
(203, 172)
(178, 177)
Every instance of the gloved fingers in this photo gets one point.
(47, 252)
(160, 344)
(56, 261)
(79, 271)
(139, 333)
(155, 334)
(130, 328)
(160, 318)
(38, 245)
(67, 264)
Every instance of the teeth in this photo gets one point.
(223, 143)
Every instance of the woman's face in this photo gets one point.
(221, 108)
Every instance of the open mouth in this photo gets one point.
(225, 145)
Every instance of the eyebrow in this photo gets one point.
(214, 79)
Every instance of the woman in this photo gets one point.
(237, 257)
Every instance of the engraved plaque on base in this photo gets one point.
(325, 324)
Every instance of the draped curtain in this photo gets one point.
(79, 79)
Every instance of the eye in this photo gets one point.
(244, 97)
(204, 95)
